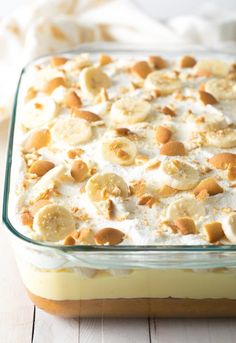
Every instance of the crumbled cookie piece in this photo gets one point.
(173, 148)
(187, 62)
(72, 100)
(158, 62)
(141, 69)
(79, 170)
(169, 111)
(207, 98)
(214, 232)
(186, 226)
(209, 185)
(104, 59)
(109, 236)
(163, 134)
(147, 200)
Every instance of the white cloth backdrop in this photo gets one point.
(44, 26)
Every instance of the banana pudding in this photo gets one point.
(126, 145)
(117, 150)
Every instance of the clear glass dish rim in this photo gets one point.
(98, 48)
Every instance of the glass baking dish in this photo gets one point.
(162, 281)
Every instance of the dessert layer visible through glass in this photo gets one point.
(162, 251)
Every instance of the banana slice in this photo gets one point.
(222, 89)
(163, 82)
(209, 121)
(53, 222)
(128, 110)
(47, 181)
(100, 186)
(211, 67)
(229, 227)
(92, 80)
(178, 175)
(72, 131)
(119, 150)
(38, 112)
(222, 138)
(185, 207)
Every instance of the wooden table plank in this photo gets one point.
(58, 330)
(16, 310)
(193, 330)
(125, 330)
(91, 330)
(179, 331)
(222, 330)
(48, 328)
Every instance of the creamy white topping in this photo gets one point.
(141, 224)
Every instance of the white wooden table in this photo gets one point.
(20, 322)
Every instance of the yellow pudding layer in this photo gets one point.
(67, 284)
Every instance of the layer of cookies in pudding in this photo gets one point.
(117, 149)
(141, 307)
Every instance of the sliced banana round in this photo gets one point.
(222, 89)
(119, 150)
(72, 131)
(100, 186)
(212, 66)
(92, 80)
(185, 207)
(38, 112)
(229, 227)
(222, 138)
(128, 110)
(53, 222)
(209, 121)
(47, 181)
(178, 174)
(163, 82)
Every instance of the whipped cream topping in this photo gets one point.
(142, 222)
